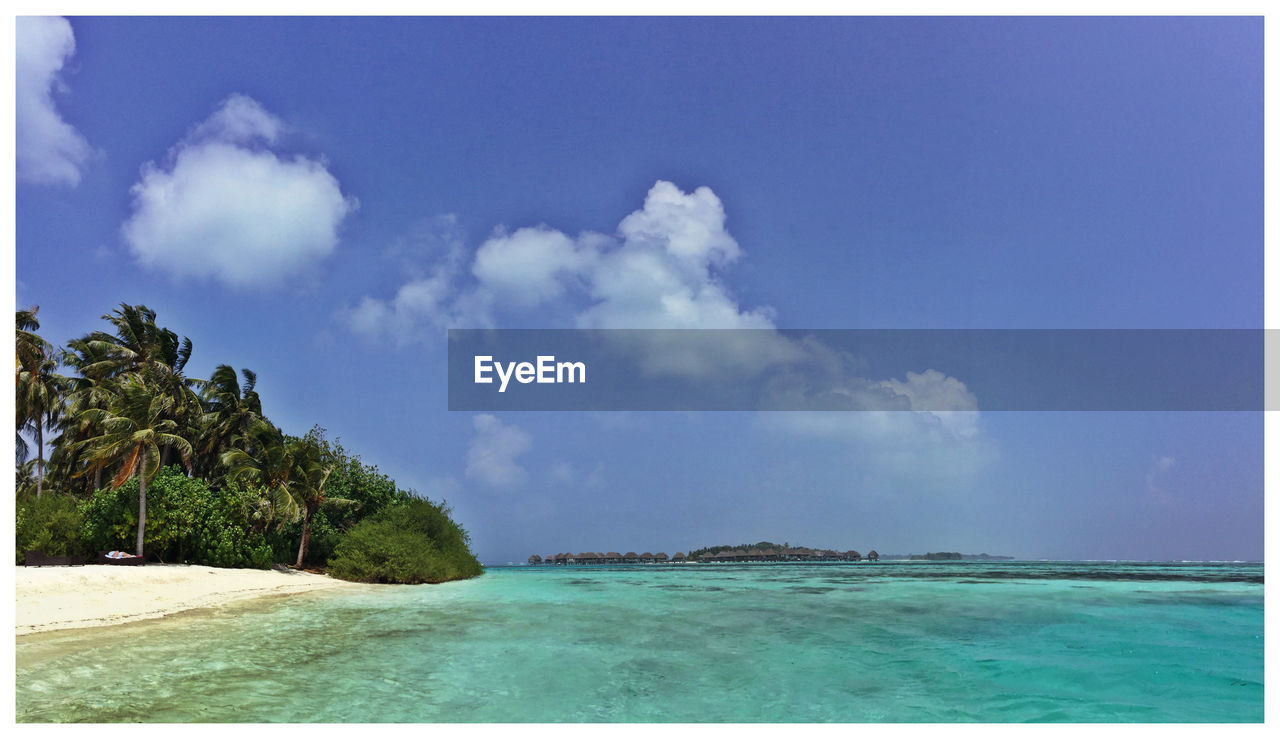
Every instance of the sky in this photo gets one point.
(320, 199)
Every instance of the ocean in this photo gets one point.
(848, 642)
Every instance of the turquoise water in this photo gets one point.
(754, 643)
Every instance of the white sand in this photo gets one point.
(52, 598)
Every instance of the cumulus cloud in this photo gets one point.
(49, 150)
(660, 269)
(224, 206)
(492, 457)
(532, 265)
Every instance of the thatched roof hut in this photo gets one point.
(535, 559)
(677, 557)
(873, 556)
(660, 557)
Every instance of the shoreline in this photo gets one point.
(76, 597)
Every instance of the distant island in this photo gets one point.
(944, 556)
(764, 551)
(767, 551)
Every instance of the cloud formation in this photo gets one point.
(492, 457)
(224, 206)
(663, 268)
(660, 269)
(49, 150)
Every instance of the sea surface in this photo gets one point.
(898, 641)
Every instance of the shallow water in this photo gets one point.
(754, 643)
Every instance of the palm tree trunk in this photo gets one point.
(306, 538)
(164, 456)
(39, 457)
(142, 510)
(97, 479)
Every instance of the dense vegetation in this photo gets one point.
(411, 543)
(183, 469)
(726, 548)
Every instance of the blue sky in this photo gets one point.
(318, 199)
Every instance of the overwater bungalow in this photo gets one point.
(678, 557)
(535, 559)
(873, 556)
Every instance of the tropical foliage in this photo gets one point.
(187, 522)
(184, 469)
(415, 542)
(50, 524)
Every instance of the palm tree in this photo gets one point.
(231, 412)
(30, 351)
(139, 346)
(260, 457)
(294, 474)
(39, 403)
(30, 347)
(86, 389)
(312, 467)
(133, 430)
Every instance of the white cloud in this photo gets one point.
(492, 456)
(225, 207)
(239, 120)
(418, 302)
(531, 266)
(661, 269)
(929, 450)
(49, 150)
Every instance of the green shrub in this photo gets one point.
(50, 524)
(186, 522)
(414, 542)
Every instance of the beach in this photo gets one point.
(52, 598)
